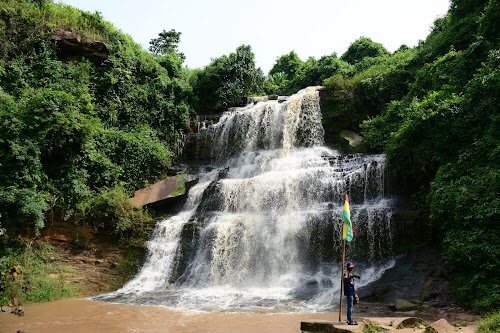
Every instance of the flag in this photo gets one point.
(347, 230)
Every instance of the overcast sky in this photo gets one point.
(212, 28)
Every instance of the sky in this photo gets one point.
(312, 28)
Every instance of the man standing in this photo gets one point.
(349, 291)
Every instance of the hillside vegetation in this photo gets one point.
(72, 132)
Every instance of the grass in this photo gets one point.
(39, 280)
(490, 324)
(372, 328)
(181, 187)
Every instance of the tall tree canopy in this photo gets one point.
(166, 42)
(362, 48)
(227, 80)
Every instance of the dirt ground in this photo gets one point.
(95, 260)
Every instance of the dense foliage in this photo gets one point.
(363, 48)
(226, 81)
(71, 132)
(491, 324)
(291, 74)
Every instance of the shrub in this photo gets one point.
(111, 211)
(490, 324)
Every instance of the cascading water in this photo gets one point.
(262, 229)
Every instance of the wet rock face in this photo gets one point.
(415, 276)
(71, 47)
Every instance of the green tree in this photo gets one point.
(362, 48)
(167, 42)
(287, 66)
(283, 72)
(227, 80)
(290, 74)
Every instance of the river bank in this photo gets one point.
(83, 315)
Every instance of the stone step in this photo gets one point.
(324, 326)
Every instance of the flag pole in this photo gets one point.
(342, 279)
(347, 234)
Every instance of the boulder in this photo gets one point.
(441, 326)
(257, 99)
(403, 305)
(324, 326)
(415, 276)
(353, 138)
(167, 188)
(412, 322)
(18, 311)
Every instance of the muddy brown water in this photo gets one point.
(82, 315)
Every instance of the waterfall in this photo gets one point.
(262, 228)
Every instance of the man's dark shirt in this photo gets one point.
(348, 284)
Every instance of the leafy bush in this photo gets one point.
(490, 324)
(372, 328)
(138, 156)
(23, 208)
(112, 211)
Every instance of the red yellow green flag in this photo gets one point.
(347, 230)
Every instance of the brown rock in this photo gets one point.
(323, 326)
(71, 46)
(18, 311)
(404, 305)
(440, 326)
(167, 188)
(412, 322)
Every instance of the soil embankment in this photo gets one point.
(99, 264)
